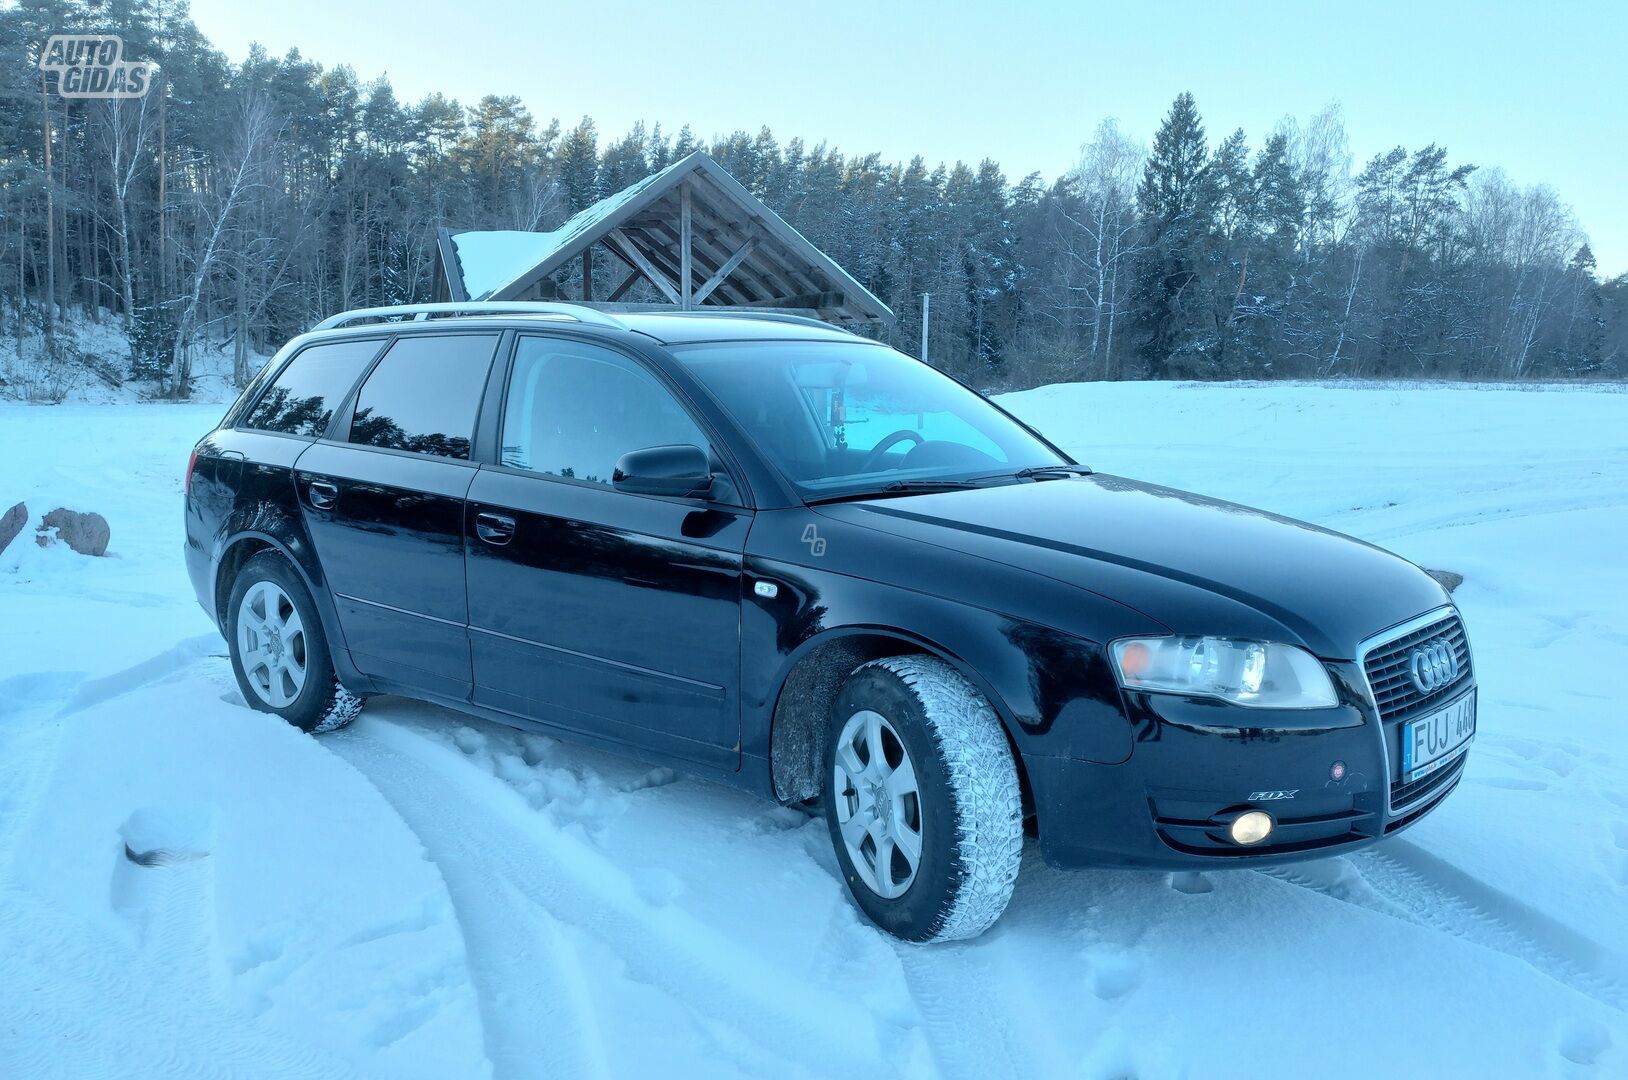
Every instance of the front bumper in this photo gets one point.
(1327, 781)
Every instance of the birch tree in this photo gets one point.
(1102, 237)
(127, 132)
(216, 206)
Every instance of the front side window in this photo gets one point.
(573, 409)
(424, 394)
(302, 399)
(847, 416)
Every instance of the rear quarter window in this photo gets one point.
(424, 394)
(302, 398)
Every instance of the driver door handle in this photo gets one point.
(496, 529)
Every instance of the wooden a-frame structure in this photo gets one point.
(691, 230)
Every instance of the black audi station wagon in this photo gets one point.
(761, 549)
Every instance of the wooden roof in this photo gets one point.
(691, 230)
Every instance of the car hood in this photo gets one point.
(1195, 564)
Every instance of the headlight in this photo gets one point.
(1253, 673)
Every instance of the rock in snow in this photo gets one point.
(87, 534)
(12, 523)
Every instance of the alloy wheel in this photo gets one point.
(271, 644)
(878, 804)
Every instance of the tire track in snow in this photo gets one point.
(507, 865)
(29, 751)
(952, 986)
(107, 687)
(147, 998)
(965, 1043)
(1406, 882)
(530, 993)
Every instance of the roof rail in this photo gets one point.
(761, 316)
(422, 312)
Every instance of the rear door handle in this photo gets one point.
(324, 496)
(495, 529)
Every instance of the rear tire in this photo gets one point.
(922, 800)
(279, 650)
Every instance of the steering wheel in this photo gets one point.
(874, 458)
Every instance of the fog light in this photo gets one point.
(1251, 827)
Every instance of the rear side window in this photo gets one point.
(303, 397)
(424, 394)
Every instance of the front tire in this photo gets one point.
(922, 800)
(279, 650)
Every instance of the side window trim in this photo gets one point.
(269, 375)
(487, 447)
(717, 448)
(339, 429)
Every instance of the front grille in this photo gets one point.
(1405, 795)
(1387, 667)
(1439, 784)
(1390, 679)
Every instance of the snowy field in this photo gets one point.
(425, 895)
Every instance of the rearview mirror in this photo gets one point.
(664, 470)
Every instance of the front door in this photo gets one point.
(593, 609)
(384, 501)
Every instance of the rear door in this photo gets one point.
(599, 610)
(384, 499)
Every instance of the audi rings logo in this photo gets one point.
(1433, 665)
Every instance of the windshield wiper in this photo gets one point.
(898, 487)
(908, 486)
(1036, 472)
(1051, 471)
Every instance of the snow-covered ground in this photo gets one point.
(425, 895)
(92, 363)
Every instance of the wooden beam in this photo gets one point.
(627, 283)
(737, 286)
(624, 247)
(636, 308)
(802, 300)
(714, 246)
(588, 272)
(686, 271)
(664, 258)
(710, 199)
(451, 269)
(711, 176)
(724, 271)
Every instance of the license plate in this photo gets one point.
(1431, 742)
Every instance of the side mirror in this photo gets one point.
(664, 470)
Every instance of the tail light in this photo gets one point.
(192, 463)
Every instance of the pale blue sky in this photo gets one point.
(1537, 88)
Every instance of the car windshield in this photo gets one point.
(843, 418)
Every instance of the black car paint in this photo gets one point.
(635, 622)
(613, 576)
